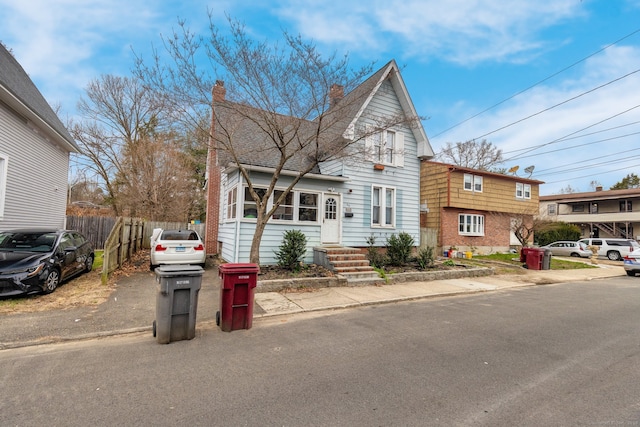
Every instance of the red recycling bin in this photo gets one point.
(534, 258)
(236, 295)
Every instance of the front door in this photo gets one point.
(331, 218)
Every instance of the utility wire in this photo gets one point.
(580, 145)
(536, 84)
(591, 175)
(557, 105)
(576, 137)
(572, 133)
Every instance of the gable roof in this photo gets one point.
(20, 94)
(389, 71)
(249, 125)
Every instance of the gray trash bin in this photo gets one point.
(546, 260)
(176, 302)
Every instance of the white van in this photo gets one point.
(614, 249)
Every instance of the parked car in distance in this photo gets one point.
(38, 260)
(612, 248)
(176, 247)
(632, 263)
(568, 248)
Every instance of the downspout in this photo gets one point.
(236, 254)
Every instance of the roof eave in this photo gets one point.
(8, 98)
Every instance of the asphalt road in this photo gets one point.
(557, 355)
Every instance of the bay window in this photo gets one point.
(471, 225)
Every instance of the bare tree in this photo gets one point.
(481, 155)
(134, 152)
(280, 92)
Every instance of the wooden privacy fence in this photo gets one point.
(124, 240)
(122, 237)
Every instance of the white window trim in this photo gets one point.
(523, 191)
(383, 207)
(232, 205)
(4, 166)
(472, 224)
(397, 152)
(470, 181)
(296, 206)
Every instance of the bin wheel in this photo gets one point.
(154, 328)
(217, 318)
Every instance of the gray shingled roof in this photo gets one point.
(246, 127)
(15, 81)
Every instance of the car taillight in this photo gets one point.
(200, 247)
(160, 248)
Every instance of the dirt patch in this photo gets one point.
(85, 290)
(274, 272)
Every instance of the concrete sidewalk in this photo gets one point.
(280, 303)
(131, 307)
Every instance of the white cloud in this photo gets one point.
(460, 31)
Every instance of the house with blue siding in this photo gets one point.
(371, 190)
(34, 153)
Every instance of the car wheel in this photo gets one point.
(631, 273)
(88, 264)
(575, 254)
(614, 255)
(152, 266)
(51, 282)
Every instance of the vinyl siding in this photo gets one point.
(405, 180)
(37, 170)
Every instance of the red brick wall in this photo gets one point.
(497, 228)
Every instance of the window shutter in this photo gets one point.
(399, 154)
(368, 144)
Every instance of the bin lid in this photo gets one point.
(179, 270)
(238, 267)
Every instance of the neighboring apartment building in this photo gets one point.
(600, 213)
(473, 210)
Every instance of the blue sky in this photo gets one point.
(575, 116)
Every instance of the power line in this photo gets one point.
(579, 136)
(572, 133)
(557, 105)
(580, 145)
(591, 175)
(538, 83)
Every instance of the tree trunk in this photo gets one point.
(254, 254)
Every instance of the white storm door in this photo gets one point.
(330, 218)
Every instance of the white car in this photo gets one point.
(632, 263)
(568, 248)
(176, 247)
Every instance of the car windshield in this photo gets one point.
(31, 241)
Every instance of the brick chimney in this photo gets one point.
(599, 188)
(218, 93)
(336, 93)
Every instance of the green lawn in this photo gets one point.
(556, 264)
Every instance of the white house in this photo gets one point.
(34, 153)
(341, 202)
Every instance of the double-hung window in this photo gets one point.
(471, 225)
(383, 201)
(523, 191)
(386, 147)
(232, 202)
(473, 182)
